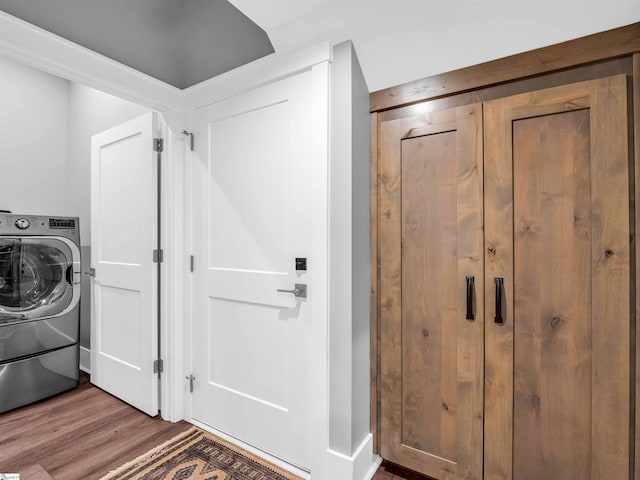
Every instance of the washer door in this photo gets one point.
(36, 276)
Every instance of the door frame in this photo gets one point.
(26, 44)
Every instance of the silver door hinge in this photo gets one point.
(190, 135)
(158, 256)
(191, 378)
(158, 366)
(191, 262)
(158, 145)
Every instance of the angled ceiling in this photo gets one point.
(184, 42)
(181, 42)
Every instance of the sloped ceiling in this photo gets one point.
(181, 42)
(399, 41)
(184, 42)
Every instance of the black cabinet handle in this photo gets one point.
(499, 281)
(470, 280)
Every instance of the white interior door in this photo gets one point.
(124, 329)
(251, 221)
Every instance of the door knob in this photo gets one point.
(300, 290)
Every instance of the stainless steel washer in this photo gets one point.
(39, 307)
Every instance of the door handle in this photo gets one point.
(470, 282)
(499, 281)
(300, 290)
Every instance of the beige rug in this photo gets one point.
(198, 455)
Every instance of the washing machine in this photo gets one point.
(39, 307)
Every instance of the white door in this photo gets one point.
(250, 342)
(124, 331)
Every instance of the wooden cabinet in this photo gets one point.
(430, 240)
(505, 286)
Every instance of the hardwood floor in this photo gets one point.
(85, 433)
(79, 435)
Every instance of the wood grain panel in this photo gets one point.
(613, 43)
(470, 253)
(592, 71)
(611, 279)
(498, 208)
(534, 373)
(374, 264)
(552, 288)
(429, 278)
(430, 237)
(389, 248)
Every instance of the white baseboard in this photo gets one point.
(85, 360)
(362, 465)
(365, 462)
(373, 468)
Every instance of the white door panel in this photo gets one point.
(250, 342)
(124, 235)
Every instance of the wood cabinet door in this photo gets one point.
(430, 240)
(557, 363)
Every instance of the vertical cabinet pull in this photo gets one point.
(499, 281)
(470, 280)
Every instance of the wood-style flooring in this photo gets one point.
(85, 433)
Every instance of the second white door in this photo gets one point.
(250, 342)
(124, 328)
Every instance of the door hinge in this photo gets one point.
(190, 135)
(191, 262)
(158, 145)
(158, 366)
(191, 379)
(158, 256)
(92, 272)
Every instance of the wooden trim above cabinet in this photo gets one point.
(593, 48)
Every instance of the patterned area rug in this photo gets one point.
(198, 455)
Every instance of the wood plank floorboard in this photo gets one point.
(79, 435)
(85, 433)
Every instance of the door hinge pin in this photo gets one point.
(158, 366)
(190, 135)
(191, 378)
(158, 256)
(158, 144)
(191, 263)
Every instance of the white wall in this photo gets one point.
(398, 41)
(46, 124)
(349, 278)
(90, 111)
(33, 141)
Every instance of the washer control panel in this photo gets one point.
(37, 225)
